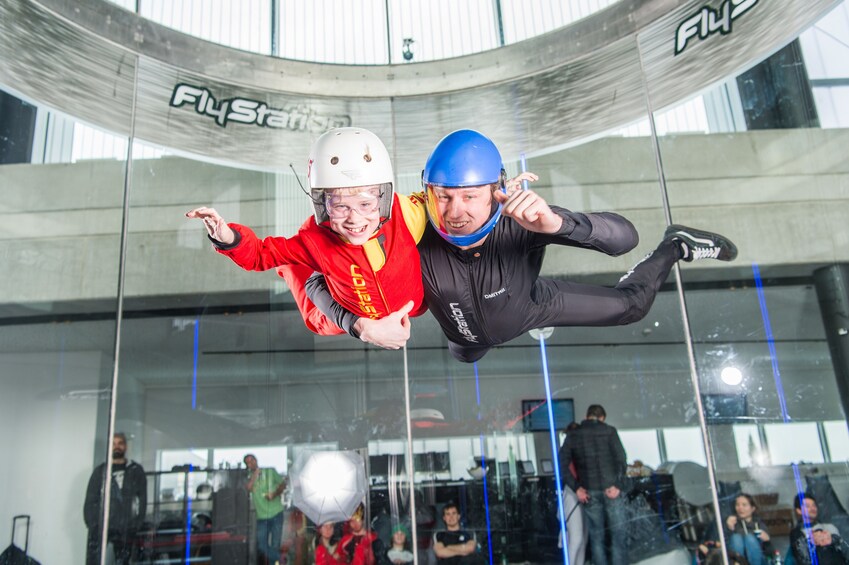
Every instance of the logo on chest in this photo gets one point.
(501, 290)
(358, 286)
(462, 325)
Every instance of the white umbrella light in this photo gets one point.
(328, 485)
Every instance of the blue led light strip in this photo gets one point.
(483, 463)
(554, 450)
(779, 387)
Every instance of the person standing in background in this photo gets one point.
(600, 464)
(266, 486)
(127, 506)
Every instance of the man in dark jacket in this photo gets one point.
(128, 503)
(600, 465)
(812, 538)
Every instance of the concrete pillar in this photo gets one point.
(832, 285)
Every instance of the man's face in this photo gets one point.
(810, 508)
(451, 518)
(354, 213)
(250, 462)
(464, 210)
(119, 447)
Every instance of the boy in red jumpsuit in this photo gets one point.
(358, 223)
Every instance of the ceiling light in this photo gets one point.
(731, 376)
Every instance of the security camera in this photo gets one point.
(407, 52)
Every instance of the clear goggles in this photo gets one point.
(365, 203)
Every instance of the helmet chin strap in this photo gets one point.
(472, 238)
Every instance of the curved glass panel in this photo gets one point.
(738, 374)
(217, 364)
(492, 417)
(766, 335)
(62, 231)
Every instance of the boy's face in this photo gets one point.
(354, 212)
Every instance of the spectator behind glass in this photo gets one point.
(577, 533)
(127, 507)
(745, 532)
(400, 553)
(600, 463)
(359, 546)
(454, 545)
(266, 485)
(325, 545)
(816, 539)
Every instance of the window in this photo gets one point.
(684, 444)
(642, 445)
(837, 437)
(793, 443)
(750, 451)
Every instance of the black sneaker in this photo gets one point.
(698, 244)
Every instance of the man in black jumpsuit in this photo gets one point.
(482, 254)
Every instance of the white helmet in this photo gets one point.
(346, 158)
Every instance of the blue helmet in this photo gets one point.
(462, 159)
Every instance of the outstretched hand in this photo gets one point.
(215, 224)
(389, 332)
(528, 208)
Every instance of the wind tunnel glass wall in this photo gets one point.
(767, 339)
(61, 231)
(491, 418)
(215, 363)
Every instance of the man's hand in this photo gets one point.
(612, 492)
(215, 225)
(822, 538)
(516, 182)
(527, 207)
(583, 495)
(389, 332)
